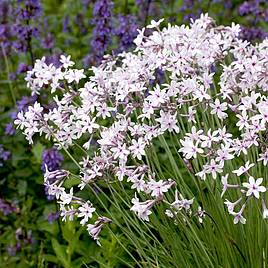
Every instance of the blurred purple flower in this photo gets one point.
(53, 59)
(11, 250)
(249, 7)
(52, 158)
(22, 30)
(86, 3)
(188, 17)
(4, 155)
(5, 29)
(253, 33)
(228, 4)
(79, 21)
(148, 8)
(23, 238)
(9, 129)
(23, 35)
(190, 9)
(102, 31)
(22, 68)
(187, 5)
(28, 9)
(66, 23)
(53, 216)
(126, 31)
(7, 208)
(25, 101)
(48, 41)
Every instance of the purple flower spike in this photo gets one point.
(126, 31)
(52, 158)
(26, 101)
(9, 129)
(248, 7)
(102, 13)
(48, 41)
(53, 216)
(7, 208)
(4, 155)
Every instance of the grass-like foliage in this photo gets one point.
(186, 150)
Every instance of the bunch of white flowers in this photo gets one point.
(124, 108)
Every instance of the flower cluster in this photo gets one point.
(123, 112)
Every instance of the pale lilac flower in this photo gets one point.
(238, 217)
(224, 153)
(168, 122)
(66, 61)
(74, 75)
(201, 94)
(219, 108)
(243, 120)
(202, 174)
(225, 184)
(66, 198)
(85, 211)
(157, 188)
(264, 209)
(154, 24)
(195, 135)
(243, 169)
(121, 108)
(120, 151)
(191, 114)
(87, 124)
(210, 138)
(213, 168)
(55, 175)
(231, 205)
(137, 148)
(182, 203)
(264, 157)
(189, 149)
(104, 111)
(157, 96)
(67, 212)
(142, 209)
(201, 214)
(138, 183)
(225, 136)
(254, 187)
(94, 229)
